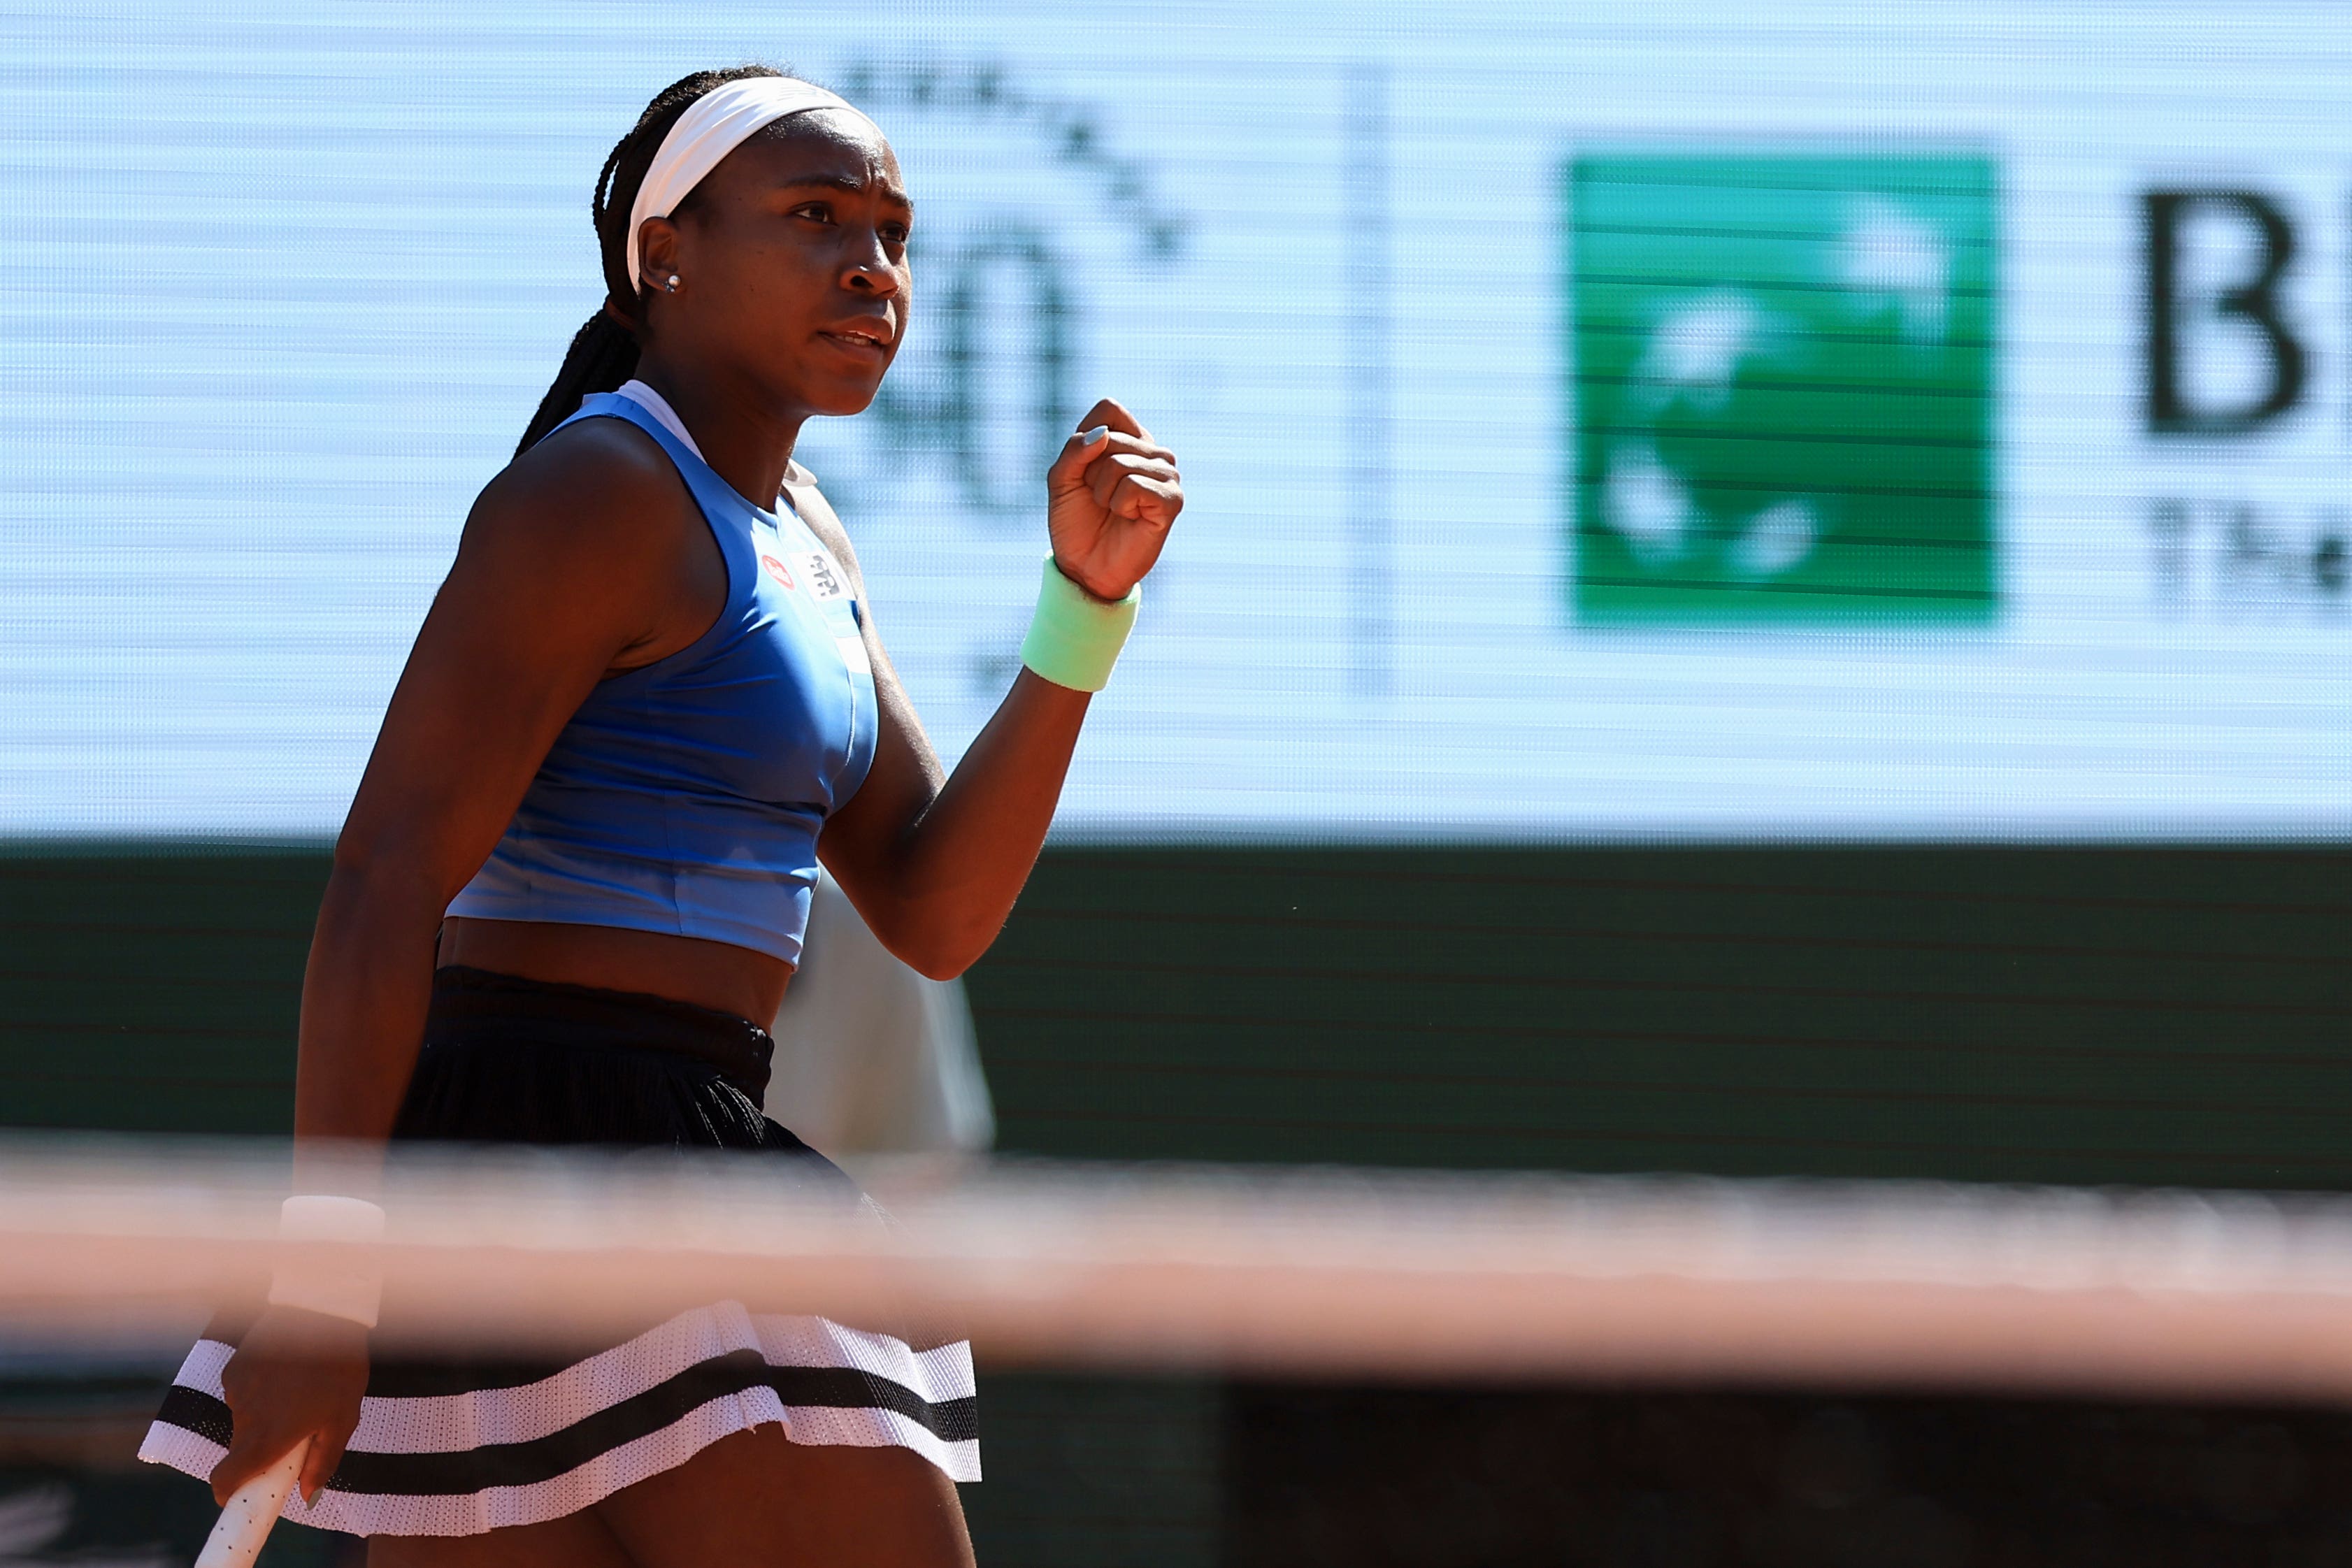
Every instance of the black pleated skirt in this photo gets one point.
(456, 1447)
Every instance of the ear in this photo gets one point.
(656, 255)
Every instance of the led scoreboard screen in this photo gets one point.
(1778, 423)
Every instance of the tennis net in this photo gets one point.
(1317, 1272)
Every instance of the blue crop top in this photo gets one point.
(685, 797)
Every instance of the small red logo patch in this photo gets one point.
(776, 570)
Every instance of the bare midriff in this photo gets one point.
(684, 968)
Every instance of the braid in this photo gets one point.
(603, 352)
(602, 357)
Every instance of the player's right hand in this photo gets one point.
(296, 1376)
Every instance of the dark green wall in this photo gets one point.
(2082, 1016)
(1324, 1477)
(155, 991)
(2167, 1016)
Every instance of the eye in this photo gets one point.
(820, 212)
(896, 233)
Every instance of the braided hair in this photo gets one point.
(603, 352)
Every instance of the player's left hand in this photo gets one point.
(1111, 502)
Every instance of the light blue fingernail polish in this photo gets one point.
(1089, 437)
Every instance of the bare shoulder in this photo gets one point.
(589, 542)
(601, 493)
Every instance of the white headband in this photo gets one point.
(714, 125)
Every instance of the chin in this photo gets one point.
(840, 403)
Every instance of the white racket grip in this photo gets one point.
(244, 1524)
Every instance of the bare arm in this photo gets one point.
(933, 862)
(568, 569)
(574, 563)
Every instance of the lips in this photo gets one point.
(868, 337)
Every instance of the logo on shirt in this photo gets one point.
(825, 579)
(776, 570)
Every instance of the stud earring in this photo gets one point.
(670, 287)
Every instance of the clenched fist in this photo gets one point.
(1110, 501)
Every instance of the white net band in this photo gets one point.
(1320, 1272)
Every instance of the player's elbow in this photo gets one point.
(944, 968)
(936, 946)
(941, 958)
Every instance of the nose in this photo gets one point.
(868, 268)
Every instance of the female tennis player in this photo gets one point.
(647, 701)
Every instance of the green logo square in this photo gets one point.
(1782, 385)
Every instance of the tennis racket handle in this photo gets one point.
(244, 1524)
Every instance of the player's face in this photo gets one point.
(793, 264)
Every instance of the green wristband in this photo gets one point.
(1074, 638)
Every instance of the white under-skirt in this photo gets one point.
(466, 1450)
